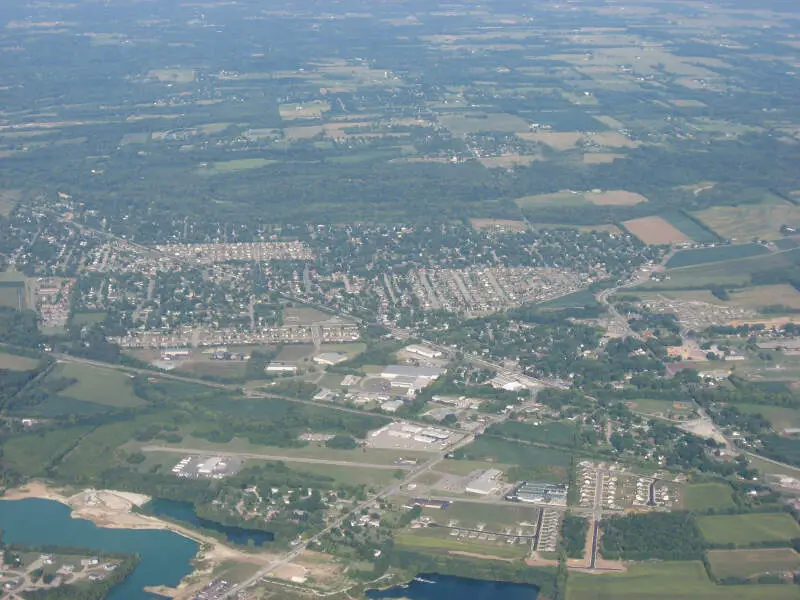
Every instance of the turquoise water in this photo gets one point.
(164, 555)
(442, 587)
(185, 513)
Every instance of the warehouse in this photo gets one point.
(486, 483)
(394, 371)
(423, 351)
(329, 359)
(531, 491)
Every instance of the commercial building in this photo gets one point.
(394, 371)
(280, 367)
(423, 351)
(431, 503)
(532, 491)
(486, 483)
(330, 358)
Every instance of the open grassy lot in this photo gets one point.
(780, 417)
(743, 530)
(12, 294)
(696, 231)
(749, 563)
(666, 581)
(31, 453)
(699, 256)
(554, 199)
(489, 449)
(767, 468)
(12, 362)
(98, 385)
(703, 496)
(749, 221)
(350, 475)
(303, 110)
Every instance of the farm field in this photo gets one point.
(699, 256)
(743, 530)
(575, 299)
(690, 227)
(98, 385)
(749, 563)
(703, 496)
(232, 166)
(574, 198)
(749, 221)
(346, 475)
(655, 230)
(665, 581)
(12, 362)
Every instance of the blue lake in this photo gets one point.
(444, 587)
(164, 556)
(185, 513)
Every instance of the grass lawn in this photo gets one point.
(664, 408)
(749, 563)
(687, 258)
(350, 475)
(232, 166)
(702, 496)
(99, 385)
(491, 449)
(666, 581)
(12, 362)
(743, 530)
(767, 468)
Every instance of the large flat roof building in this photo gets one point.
(395, 371)
(486, 483)
(532, 491)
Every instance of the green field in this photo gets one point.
(767, 468)
(688, 226)
(31, 453)
(666, 581)
(12, 294)
(744, 530)
(13, 362)
(749, 563)
(730, 272)
(98, 385)
(484, 448)
(573, 300)
(703, 496)
(688, 258)
(663, 408)
(780, 417)
(88, 318)
(348, 475)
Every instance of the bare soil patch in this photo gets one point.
(655, 230)
(503, 223)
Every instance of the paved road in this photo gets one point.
(256, 455)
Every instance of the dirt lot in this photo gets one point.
(601, 158)
(615, 198)
(655, 230)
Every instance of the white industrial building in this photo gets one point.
(395, 371)
(330, 358)
(280, 367)
(423, 351)
(486, 483)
